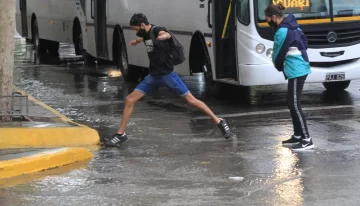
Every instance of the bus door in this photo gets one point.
(100, 14)
(24, 26)
(224, 37)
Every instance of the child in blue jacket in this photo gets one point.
(290, 57)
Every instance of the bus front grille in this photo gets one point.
(333, 38)
(331, 64)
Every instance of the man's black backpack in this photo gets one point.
(176, 48)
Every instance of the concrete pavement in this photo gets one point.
(45, 127)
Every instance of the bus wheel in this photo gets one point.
(90, 60)
(79, 46)
(336, 86)
(213, 88)
(121, 59)
(53, 47)
(208, 78)
(40, 45)
(78, 41)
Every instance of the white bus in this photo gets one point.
(228, 40)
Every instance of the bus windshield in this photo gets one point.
(346, 8)
(313, 9)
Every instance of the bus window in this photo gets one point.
(301, 9)
(242, 11)
(92, 9)
(346, 8)
(82, 3)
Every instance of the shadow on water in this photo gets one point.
(266, 96)
(339, 97)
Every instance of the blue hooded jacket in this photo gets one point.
(289, 51)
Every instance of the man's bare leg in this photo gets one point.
(190, 99)
(131, 99)
(221, 123)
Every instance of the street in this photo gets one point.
(176, 156)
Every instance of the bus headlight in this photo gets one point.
(269, 52)
(260, 48)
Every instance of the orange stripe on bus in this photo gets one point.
(350, 18)
(307, 21)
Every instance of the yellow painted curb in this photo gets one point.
(43, 161)
(47, 137)
(74, 135)
(38, 176)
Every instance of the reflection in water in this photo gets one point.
(114, 73)
(19, 181)
(79, 80)
(290, 191)
(60, 179)
(23, 52)
(340, 97)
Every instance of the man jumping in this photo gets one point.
(160, 74)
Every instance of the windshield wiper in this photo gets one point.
(347, 12)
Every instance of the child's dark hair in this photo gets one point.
(137, 19)
(275, 9)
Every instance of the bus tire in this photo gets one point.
(121, 58)
(199, 62)
(78, 42)
(53, 47)
(336, 86)
(198, 55)
(213, 89)
(89, 59)
(78, 38)
(40, 45)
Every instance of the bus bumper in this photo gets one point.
(266, 74)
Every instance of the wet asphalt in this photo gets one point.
(175, 156)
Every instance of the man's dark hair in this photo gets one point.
(137, 19)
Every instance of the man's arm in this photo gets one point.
(139, 40)
(163, 35)
(136, 41)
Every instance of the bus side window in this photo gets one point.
(82, 3)
(92, 9)
(243, 11)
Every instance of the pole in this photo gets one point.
(7, 25)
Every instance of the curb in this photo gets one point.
(73, 135)
(43, 161)
(28, 178)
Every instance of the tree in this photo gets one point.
(7, 24)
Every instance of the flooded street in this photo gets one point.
(175, 156)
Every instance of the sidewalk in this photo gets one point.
(45, 128)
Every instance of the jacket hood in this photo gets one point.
(289, 22)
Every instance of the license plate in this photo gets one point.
(339, 76)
